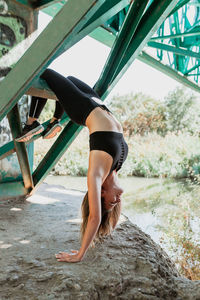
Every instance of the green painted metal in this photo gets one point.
(192, 69)
(105, 12)
(184, 29)
(178, 51)
(147, 59)
(15, 126)
(121, 44)
(180, 28)
(179, 5)
(109, 9)
(7, 150)
(102, 35)
(25, 3)
(150, 22)
(43, 50)
(11, 190)
(175, 36)
(64, 140)
(53, 9)
(42, 4)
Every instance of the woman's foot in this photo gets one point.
(29, 131)
(52, 129)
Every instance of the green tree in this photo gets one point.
(182, 112)
(139, 113)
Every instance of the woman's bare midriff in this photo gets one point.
(102, 120)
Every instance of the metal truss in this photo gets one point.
(168, 31)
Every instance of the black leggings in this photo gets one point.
(74, 95)
(76, 87)
(37, 105)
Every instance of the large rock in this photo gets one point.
(127, 265)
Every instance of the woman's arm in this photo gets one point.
(99, 166)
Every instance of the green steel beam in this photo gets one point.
(192, 69)
(144, 57)
(9, 148)
(102, 35)
(108, 9)
(175, 50)
(13, 190)
(53, 9)
(15, 126)
(43, 51)
(40, 88)
(178, 6)
(197, 74)
(42, 4)
(176, 36)
(25, 3)
(121, 44)
(64, 140)
(197, 4)
(39, 4)
(150, 22)
(104, 13)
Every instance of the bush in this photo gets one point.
(139, 114)
(156, 156)
(182, 111)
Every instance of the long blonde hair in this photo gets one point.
(109, 219)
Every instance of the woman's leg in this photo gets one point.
(72, 98)
(54, 126)
(37, 105)
(32, 126)
(59, 111)
(83, 86)
(61, 86)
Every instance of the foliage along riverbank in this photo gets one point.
(173, 156)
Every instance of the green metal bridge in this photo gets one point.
(164, 34)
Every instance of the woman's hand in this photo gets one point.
(74, 256)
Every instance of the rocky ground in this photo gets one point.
(128, 265)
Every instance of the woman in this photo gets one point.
(108, 150)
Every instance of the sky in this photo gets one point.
(86, 59)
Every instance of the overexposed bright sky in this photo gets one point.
(86, 59)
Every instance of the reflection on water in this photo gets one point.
(147, 222)
(167, 210)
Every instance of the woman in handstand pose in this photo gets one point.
(108, 150)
